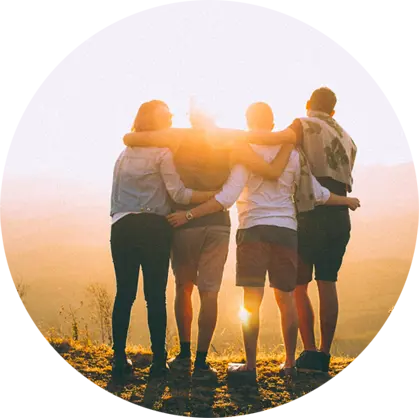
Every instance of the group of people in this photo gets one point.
(172, 189)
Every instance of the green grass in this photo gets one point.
(381, 384)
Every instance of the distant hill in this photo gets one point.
(56, 237)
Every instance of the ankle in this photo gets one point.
(250, 366)
(201, 358)
(185, 350)
(289, 363)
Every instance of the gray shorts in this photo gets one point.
(199, 255)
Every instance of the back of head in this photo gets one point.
(152, 116)
(323, 100)
(259, 116)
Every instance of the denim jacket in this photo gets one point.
(144, 180)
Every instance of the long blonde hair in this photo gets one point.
(146, 119)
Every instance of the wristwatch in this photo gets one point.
(189, 215)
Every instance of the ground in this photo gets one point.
(381, 384)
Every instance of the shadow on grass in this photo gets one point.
(319, 393)
(187, 396)
(246, 397)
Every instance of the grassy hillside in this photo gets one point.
(381, 384)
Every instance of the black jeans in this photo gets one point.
(141, 240)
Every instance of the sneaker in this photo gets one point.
(287, 372)
(205, 373)
(325, 362)
(180, 363)
(240, 371)
(310, 362)
(121, 368)
(159, 369)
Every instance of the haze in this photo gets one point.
(56, 187)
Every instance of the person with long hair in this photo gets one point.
(145, 182)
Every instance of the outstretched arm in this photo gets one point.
(353, 203)
(167, 138)
(226, 137)
(243, 154)
(325, 197)
(223, 200)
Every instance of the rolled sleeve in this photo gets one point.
(233, 186)
(174, 185)
(321, 194)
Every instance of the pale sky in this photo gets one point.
(227, 55)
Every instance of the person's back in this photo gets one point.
(323, 233)
(140, 166)
(266, 201)
(204, 167)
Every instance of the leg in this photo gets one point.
(289, 323)
(305, 317)
(329, 308)
(155, 275)
(184, 311)
(283, 279)
(213, 256)
(252, 300)
(327, 269)
(207, 319)
(126, 263)
(185, 255)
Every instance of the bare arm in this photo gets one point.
(335, 200)
(229, 136)
(199, 197)
(223, 200)
(325, 197)
(243, 154)
(167, 138)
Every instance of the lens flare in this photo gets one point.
(244, 315)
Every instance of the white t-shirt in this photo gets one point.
(267, 202)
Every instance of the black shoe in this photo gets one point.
(159, 369)
(204, 372)
(180, 363)
(121, 368)
(310, 362)
(325, 362)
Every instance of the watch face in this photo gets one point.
(189, 216)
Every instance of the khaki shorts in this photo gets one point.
(199, 255)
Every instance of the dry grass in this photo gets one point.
(381, 384)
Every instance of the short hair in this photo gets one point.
(323, 100)
(259, 115)
(146, 120)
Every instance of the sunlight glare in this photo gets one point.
(244, 315)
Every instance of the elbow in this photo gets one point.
(126, 140)
(181, 198)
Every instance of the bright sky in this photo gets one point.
(227, 55)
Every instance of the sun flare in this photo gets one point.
(244, 315)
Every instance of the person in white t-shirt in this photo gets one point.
(266, 238)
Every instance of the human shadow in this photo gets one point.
(137, 378)
(320, 392)
(202, 397)
(179, 383)
(245, 395)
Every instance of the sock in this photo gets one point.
(185, 350)
(201, 359)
